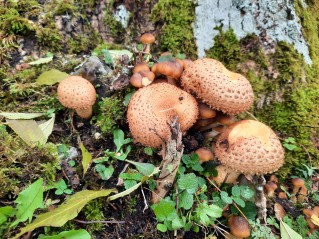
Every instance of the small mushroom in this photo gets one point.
(239, 226)
(225, 175)
(153, 107)
(77, 93)
(171, 69)
(270, 188)
(220, 88)
(205, 112)
(299, 190)
(141, 67)
(147, 39)
(204, 154)
(142, 78)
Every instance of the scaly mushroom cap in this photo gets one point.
(220, 88)
(77, 93)
(250, 147)
(152, 108)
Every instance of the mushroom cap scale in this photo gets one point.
(75, 92)
(218, 87)
(153, 107)
(250, 147)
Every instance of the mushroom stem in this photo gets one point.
(261, 201)
(84, 113)
(147, 48)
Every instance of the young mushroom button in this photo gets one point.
(77, 93)
(153, 107)
(250, 147)
(147, 39)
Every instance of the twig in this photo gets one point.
(91, 222)
(251, 115)
(236, 206)
(145, 201)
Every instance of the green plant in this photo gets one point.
(290, 144)
(62, 188)
(110, 111)
(260, 230)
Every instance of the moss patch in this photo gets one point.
(175, 18)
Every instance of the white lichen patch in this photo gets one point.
(271, 20)
(122, 15)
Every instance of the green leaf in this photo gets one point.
(129, 183)
(178, 222)
(104, 172)
(226, 199)
(164, 210)
(6, 212)
(161, 227)
(206, 214)
(144, 168)
(51, 77)
(28, 200)
(168, 57)
(246, 192)
(235, 191)
(239, 201)
(73, 234)
(43, 60)
(86, 158)
(188, 182)
(107, 57)
(66, 211)
(131, 176)
(13, 116)
(148, 151)
(118, 139)
(185, 200)
(61, 186)
(128, 97)
(287, 233)
(117, 54)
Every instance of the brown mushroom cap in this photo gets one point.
(141, 67)
(77, 93)
(204, 154)
(152, 108)
(147, 38)
(250, 147)
(205, 112)
(220, 88)
(171, 69)
(238, 226)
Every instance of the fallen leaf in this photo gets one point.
(9, 115)
(314, 219)
(28, 131)
(287, 233)
(43, 60)
(65, 212)
(51, 77)
(47, 127)
(86, 158)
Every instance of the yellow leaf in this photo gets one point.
(65, 212)
(315, 219)
(86, 158)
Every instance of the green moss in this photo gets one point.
(175, 19)
(115, 27)
(110, 111)
(93, 211)
(227, 49)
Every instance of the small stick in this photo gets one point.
(91, 222)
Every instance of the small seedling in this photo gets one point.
(62, 188)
